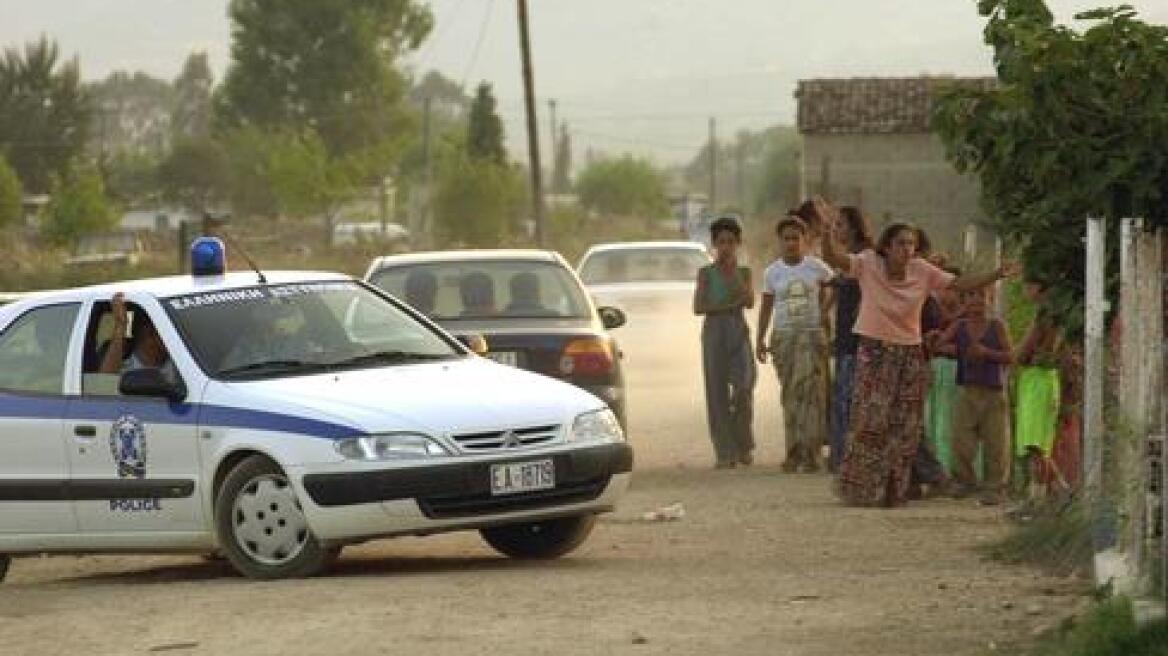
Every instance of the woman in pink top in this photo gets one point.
(888, 397)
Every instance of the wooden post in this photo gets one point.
(1128, 443)
(1150, 389)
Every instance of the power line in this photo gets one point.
(429, 47)
(479, 43)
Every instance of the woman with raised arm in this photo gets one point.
(890, 370)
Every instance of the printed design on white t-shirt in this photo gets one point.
(797, 301)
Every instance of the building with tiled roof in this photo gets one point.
(867, 142)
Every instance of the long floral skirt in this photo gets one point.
(887, 409)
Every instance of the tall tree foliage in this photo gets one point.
(324, 65)
(196, 174)
(191, 111)
(44, 112)
(562, 167)
(79, 207)
(625, 187)
(10, 195)
(1078, 127)
(484, 136)
(478, 202)
(132, 115)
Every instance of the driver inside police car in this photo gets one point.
(145, 347)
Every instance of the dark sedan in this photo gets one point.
(528, 305)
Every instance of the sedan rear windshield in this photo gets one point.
(281, 329)
(486, 289)
(643, 265)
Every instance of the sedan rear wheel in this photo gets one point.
(261, 524)
(542, 540)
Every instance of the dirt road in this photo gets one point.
(762, 563)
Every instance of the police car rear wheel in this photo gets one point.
(262, 527)
(541, 540)
(5, 561)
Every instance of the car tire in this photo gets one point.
(5, 561)
(261, 526)
(542, 540)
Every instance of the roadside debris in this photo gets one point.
(670, 513)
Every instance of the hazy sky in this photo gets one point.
(629, 75)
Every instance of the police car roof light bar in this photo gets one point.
(208, 257)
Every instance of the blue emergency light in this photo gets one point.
(208, 257)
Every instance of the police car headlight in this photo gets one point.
(597, 426)
(400, 446)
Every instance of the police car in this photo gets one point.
(275, 419)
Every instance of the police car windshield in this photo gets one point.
(301, 328)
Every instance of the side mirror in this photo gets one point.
(150, 382)
(612, 318)
(475, 342)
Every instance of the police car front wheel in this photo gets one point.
(261, 525)
(5, 561)
(542, 540)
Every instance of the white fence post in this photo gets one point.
(1127, 444)
(1094, 377)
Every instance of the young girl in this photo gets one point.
(793, 293)
(981, 418)
(724, 291)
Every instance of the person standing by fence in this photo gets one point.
(724, 291)
(890, 373)
(793, 293)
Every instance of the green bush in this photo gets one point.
(1108, 630)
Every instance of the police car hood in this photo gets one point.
(457, 396)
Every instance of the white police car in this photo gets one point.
(286, 419)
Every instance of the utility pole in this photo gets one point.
(739, 175)
(713, 200)
(532, 136)
(554, 149)
(425, 225)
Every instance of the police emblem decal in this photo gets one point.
(128, 446)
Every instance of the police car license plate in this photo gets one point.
(509, 358)
(516, 478)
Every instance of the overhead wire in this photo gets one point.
(490, 13)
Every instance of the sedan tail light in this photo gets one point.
(589, 356)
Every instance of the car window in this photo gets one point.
(486, 289)
(297, 328)
(643, 265)
(33, 349)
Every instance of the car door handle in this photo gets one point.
(85, 431)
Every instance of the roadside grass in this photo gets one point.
(1109, 629)
(1054, 536)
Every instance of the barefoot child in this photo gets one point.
(793, 293)
(724, 291)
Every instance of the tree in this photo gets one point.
(44, 113)
(448, 102)
(10, 195)
(132, 115)
(1077, 127)
(478, 203)
(196, 174)
(484, 133)
(625, 187)
(325, 65)
(562, 169)
(774, 187)
(78, 207)
(191, 111)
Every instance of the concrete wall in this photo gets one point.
(895, 177)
